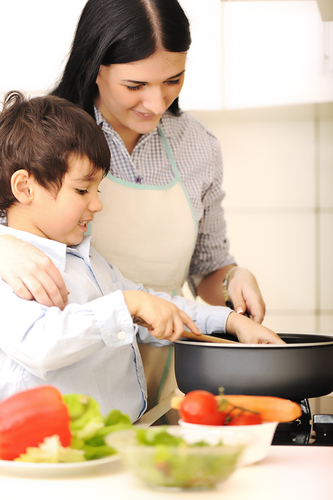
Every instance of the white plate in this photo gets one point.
(52, 470)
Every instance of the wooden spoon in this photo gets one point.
(189, 335)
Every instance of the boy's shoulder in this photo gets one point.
(53, 249)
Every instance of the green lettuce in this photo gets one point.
(88, 428)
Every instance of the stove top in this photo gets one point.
(316, 430)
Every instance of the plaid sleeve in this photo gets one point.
(212, 246)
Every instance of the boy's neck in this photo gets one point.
(18, 218)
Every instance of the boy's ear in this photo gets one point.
(22, 186)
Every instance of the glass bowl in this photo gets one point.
(163, 463)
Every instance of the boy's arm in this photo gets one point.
(249, 332)
(167, 320)
(206, 318)
(44, 339)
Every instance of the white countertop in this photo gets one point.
(287, 473)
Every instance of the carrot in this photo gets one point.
(176, 401)
(272, 409)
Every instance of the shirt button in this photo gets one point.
(138, 180)
(122, 335)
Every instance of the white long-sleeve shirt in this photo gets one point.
(91, 346)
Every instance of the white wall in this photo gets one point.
(35, 38)
(278, 176)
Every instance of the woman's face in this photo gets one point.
(133, 96)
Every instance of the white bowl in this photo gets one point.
(260, 437)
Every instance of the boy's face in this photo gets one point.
(65, 218)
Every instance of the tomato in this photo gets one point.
(201, 407)
(245, 418)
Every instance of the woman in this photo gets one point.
(127, 68)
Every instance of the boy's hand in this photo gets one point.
(166, 319)
(249, 332)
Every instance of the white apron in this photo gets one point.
(149, 233)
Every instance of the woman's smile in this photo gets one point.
(144, 116)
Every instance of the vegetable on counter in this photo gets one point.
(41, 425)
(172, 457)
(27, 417)
(88, 427)
(202, 407)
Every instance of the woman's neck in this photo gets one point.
(130, 138)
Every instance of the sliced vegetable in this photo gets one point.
(28, 417)
(165, 458)
(50, 451)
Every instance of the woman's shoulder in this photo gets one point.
(187, 127)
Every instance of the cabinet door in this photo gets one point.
(276, 53)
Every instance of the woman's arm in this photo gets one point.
(241, 287)
(211, 258)
(30, 273)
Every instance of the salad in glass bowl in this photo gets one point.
(176, 458)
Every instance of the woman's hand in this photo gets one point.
(249, 332)
(242, 289)
(30, 273)
(244, 293)
(166, 319)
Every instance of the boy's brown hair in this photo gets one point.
(39, 135)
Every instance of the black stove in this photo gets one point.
(316, 430)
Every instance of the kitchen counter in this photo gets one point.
(287, 473)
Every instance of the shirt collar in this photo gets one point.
(53, 249)
(82, 250)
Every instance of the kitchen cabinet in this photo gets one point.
(255, 54)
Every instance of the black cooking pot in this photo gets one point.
(301, 369)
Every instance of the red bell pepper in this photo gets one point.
(26, 418)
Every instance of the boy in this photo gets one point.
(52, 159)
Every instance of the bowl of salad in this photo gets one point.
(174, 458)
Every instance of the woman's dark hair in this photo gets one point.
(117, 32)
(40, 135)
